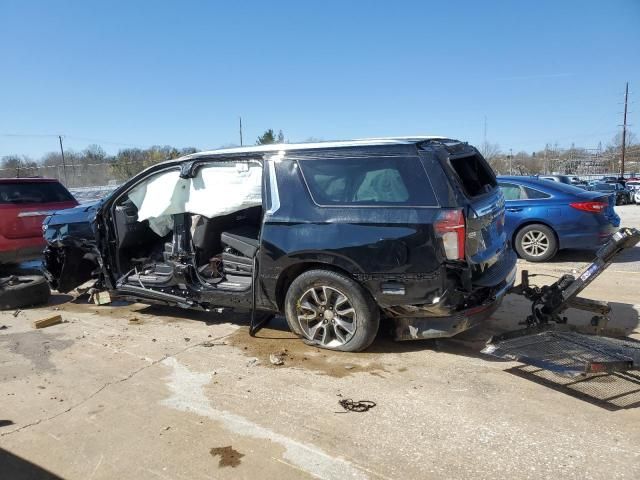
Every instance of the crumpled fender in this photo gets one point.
(70, 262)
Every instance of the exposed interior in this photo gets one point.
(475, 174)
(172, 231)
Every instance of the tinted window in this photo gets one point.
(33, 192)
(532, 193)
(511, 191)
(368, 181)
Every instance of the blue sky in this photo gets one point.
(181, 73)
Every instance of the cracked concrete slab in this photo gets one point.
(166, 396)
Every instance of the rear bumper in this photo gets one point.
(417, 328)
(20, 249)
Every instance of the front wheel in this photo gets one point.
(330, 310)
(536, 243)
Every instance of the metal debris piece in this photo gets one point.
(212, 344)
(359, 406)
(17, 312)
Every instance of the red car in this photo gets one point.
(24, 203)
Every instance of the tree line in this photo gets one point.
(93, 166)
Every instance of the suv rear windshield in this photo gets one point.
(476, 175)
(33, 192)
(370, 181)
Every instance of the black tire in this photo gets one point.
(364, 320)
(544, 250)
(23, 291)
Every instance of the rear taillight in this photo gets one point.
(451, 229)
(592, 207)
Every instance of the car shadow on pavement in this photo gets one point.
(17, 468)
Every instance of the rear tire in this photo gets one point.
(330, 310)
(536, 243)
(23, 291)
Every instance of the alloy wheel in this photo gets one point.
(535, 243)
(326, 316)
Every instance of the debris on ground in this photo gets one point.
(17, 312)
(359, 406)
(3, 327)
(212, 344)
(277, 358)
(228, 456)
(47, 322)
(252, 362)
(101, 298)
(135, 320)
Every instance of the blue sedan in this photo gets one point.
(543, 217)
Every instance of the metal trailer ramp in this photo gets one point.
(567, 353)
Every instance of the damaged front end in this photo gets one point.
(70, 262)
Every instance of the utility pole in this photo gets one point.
(511, 161)
(624, 130)
(240, 131)
(485, 131)
(64, 166)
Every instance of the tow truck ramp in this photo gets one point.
(567, 353)
(550, 343)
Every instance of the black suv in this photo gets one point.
(334, 235)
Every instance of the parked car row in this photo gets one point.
(334, 235)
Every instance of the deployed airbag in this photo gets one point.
(217, 189)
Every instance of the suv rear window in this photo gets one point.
(368, 181)
(33, 192)
(476, 175)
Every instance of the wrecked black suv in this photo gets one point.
(334, 235)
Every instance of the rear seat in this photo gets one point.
(243, 239)
(242, 244)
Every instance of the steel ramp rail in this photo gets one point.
(567, 353)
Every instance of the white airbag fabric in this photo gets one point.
(216, 190)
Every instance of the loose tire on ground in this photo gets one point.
(351, 317)
(536, 243)
(23, 291)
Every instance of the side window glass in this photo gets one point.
(368, 181)
(510, 191)
(532, 193)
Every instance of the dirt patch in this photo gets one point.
(228, 456)
(35, 346)
(296, 354)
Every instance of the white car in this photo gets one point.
(634, 187)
